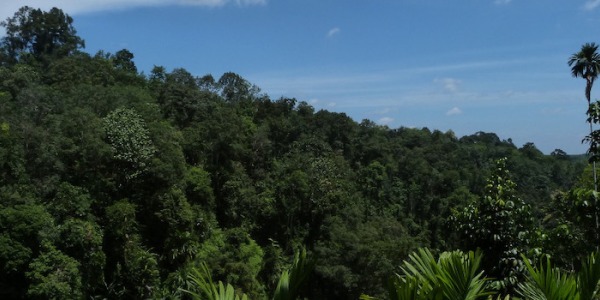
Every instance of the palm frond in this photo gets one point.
(203, 287)
(461, 277)
(292, 280)
(589, 277)
(408, 288)
(586, 62)
(455, 275)
(423, 265)
(548, 283)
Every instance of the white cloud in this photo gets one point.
(382, 111)
(385, 121)
(250, 2)
(73, 7)
(454, 111)
(502, 2)
(591, 4)
(333, 31)
(449, 84)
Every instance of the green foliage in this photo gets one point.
(571, 226)
(123, 60)
(234, 257)
(454, 275)
(201, 285)
(121, 220)
(30, 225)
(132, 270)
(593, 139)
(588, 279)
(548, 282)
(198, 187)
(500, 224)
(18, 77)
(70, 201)
(54, 275)
(141, 272)
(39, 33)
(234, 88)
(291, 281)
(132, 181)
(128, 136)
(204, 287)
(175, 229)
(586, 64)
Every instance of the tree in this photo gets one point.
(586, 64)
(82, 240)
(500, 224)
(123, 60)
(54, 275)
(594, 152)
(129, 138)
(39, 33)
(233, 257)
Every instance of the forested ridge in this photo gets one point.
(122, 185)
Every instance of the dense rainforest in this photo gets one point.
(116, 184)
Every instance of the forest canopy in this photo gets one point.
(116, 184)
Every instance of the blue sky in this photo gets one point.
(465, 65)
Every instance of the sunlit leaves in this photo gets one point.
(126, 132)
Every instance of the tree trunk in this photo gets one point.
(588, 92)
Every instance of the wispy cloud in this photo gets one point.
(383, 111)
(454, 111)
(8, 8)
(449, 84)
(502, 2)
(333, 31)
(373, 92)
(385, 121)
(250, 2)
(591, 4)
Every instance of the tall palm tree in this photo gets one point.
(586, 64)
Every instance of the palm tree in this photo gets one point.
(454, 276)
(549, 283)
(586, 64)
